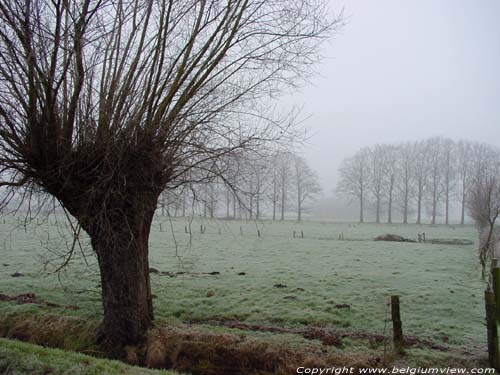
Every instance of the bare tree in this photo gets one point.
(484, 205)
(249, 183)
(404, 186)
(391, 161)
(353, 177)
(464, 173)
(435, 167)
(261, 175)
(274, 190)
(377, 172)
(449, 153)
(284, 172)
(307, 186)
(104, 104)
(420, 176)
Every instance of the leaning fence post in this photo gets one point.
(491, 326)
(397, 327)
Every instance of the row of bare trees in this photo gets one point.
(415, 178)
(253, 186)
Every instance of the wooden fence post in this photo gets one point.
(494, 263)
(397, 327)
(491, 326)
(495, 280)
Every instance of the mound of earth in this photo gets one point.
(392, 237)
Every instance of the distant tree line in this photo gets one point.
(416, 178)
(251, 186)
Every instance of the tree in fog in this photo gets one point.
(484, 204)
(284, 177)
(253, 172)
(435, 168)
(104, 104)
(232, 178)
(449, 153)
(404, 186)
(465, 174)
(391, 175)
(273, 191)
(307, 185)
(261, 174)
(481, 156)
(353, 176)
(420, 173)
(377, 172)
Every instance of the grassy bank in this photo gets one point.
(22, 358)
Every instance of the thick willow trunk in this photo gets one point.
(122, 252)
(118, 225)
(114, 196)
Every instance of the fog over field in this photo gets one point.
(254, 187)
(400, 71)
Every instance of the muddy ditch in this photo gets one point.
(184, 348)
(194, 349)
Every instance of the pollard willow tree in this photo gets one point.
(104, 104)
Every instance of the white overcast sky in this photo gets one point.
(403, 70)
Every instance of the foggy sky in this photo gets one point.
(404, 70)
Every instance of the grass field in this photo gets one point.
(274, 279)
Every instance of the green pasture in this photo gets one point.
(271, 279)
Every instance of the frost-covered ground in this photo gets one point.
(273, 279)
